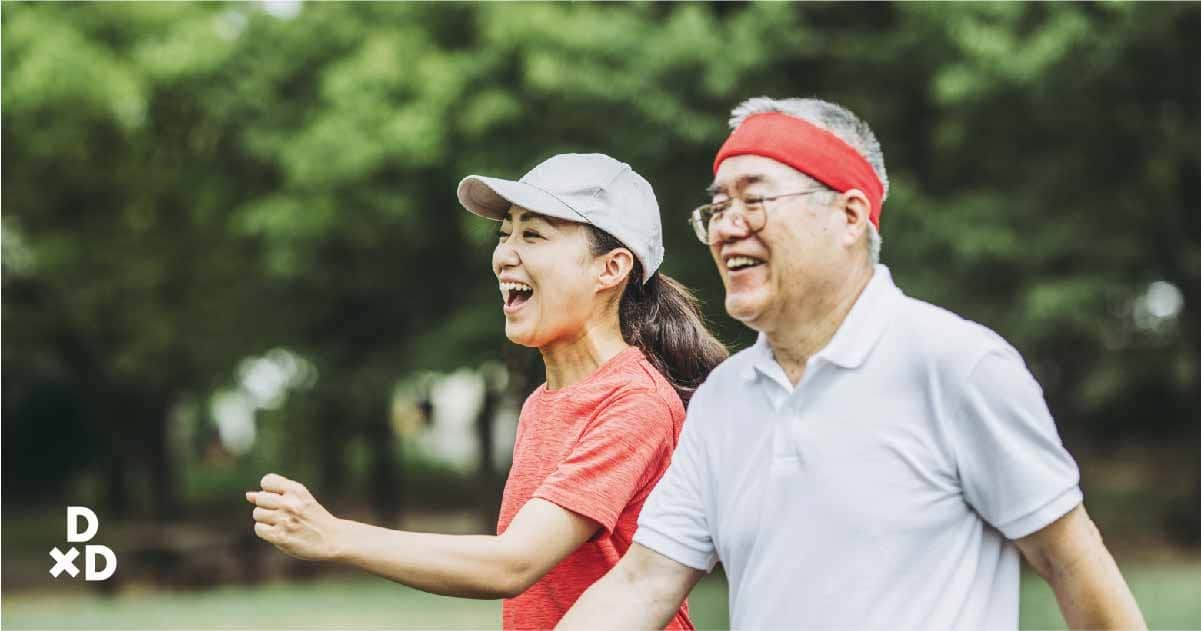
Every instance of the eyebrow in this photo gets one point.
(529, 215)
(739, 184)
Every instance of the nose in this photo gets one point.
(729, 226)
(504, 257)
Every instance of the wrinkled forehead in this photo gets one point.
(740, 173)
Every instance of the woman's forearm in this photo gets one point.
(466, 566)
(469, 566)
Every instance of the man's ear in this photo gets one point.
(616, 266)
(856, 213)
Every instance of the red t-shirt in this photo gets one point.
(596, 448)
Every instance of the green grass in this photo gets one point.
(1169, 595)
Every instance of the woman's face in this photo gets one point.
(547, 278)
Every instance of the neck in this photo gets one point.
(812, 323)
(571, 360)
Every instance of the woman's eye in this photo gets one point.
(501, 234)
(530, 234)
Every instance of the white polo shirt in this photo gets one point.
(882, 491)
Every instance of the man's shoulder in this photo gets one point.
(937, 334)
(732, 370)
(725, 383)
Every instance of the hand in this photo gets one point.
(287, 516)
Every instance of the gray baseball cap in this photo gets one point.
(590, 188)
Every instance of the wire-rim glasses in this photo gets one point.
(753, 216)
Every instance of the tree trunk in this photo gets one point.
(332, 454)
(487, 488)
(385, 492)
(117, 476)
(165, 503)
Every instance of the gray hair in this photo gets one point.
(874, 241)
(838, 121)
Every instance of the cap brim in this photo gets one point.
(491, 197)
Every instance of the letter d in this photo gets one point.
(73, 515)
(110, 563)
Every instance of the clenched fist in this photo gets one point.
(286, 515)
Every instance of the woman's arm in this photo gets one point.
(468, 566)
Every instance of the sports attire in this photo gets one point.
(882, 491)
(596, 448)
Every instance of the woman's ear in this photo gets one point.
(616, 265)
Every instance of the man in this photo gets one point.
(872, 461)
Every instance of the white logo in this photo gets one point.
(65, 561)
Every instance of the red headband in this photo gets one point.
(808, 149)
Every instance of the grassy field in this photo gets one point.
(1169, 595)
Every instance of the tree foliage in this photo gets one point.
(187, 184)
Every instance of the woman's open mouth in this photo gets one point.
(515, 295)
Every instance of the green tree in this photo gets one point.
(189, 184)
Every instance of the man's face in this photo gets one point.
(795, 260)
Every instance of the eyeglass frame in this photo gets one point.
(699, 229)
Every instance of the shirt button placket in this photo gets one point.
(796, 428)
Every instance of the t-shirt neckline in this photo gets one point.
(612, 364)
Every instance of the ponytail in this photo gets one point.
(663, 319)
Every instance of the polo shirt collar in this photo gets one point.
(761, 359)
(855, 337)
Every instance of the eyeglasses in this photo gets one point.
(753, 216)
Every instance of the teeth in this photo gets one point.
(737, 262)
(508, 288)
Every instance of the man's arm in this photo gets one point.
(1071, 557)
(643, 591)
(468, 566)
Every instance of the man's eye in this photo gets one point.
(501, 234)
(753, 200)
(530, 234)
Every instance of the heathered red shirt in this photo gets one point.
(596, 448)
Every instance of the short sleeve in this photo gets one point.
(1013, 467)
(674, 521)
(622, 450)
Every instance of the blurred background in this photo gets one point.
(231, 245)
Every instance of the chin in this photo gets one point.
(529, 334)
(518, 336)
(745, 307)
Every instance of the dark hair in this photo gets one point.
(663, 319)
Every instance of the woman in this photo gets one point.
(577, 259)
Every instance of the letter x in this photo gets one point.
(64, 562)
